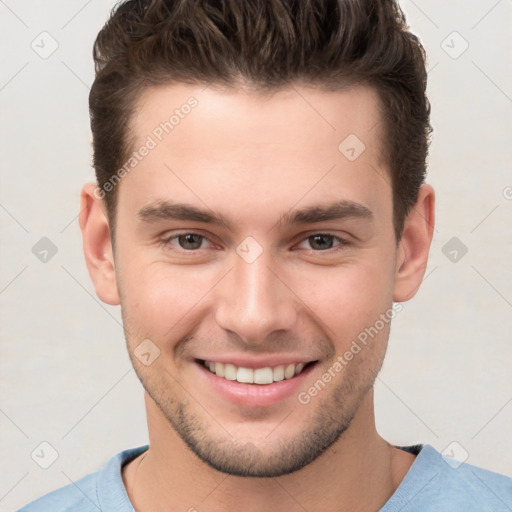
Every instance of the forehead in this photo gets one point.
(246, 117)
(237, 148)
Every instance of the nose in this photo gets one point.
(254, 300)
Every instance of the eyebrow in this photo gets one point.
(166, 210)
(335, 211)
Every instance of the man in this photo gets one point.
(260, 205)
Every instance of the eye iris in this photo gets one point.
(187, 241)
(320, 241)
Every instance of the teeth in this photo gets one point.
(289, 371)
(265, 375)
(278, 373)
(219, 369)
(245, 375)
(229, 371)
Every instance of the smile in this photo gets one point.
(266, 375)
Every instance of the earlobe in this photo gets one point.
(97, 244)
(412, 253)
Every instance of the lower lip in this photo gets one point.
(254, 395)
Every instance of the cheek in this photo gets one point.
(349, 299)
(159, 301)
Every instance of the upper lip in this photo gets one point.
(258, 362)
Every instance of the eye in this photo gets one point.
(186, 241)
(323, 241)
(193, 242)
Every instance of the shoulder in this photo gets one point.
(80, 495)
(436, 482)
(101, 490)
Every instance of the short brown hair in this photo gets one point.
(267, 44)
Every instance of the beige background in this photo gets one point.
(65, 376)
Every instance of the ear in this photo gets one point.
(98, 251)
(412, 252)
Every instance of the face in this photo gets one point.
(252, 245)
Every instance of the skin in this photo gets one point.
(252, 158)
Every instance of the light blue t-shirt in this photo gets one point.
(434, 483)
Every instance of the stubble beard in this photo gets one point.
(330, 417)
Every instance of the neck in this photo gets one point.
(359, 472)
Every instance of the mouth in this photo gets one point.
(253, 383)
(260, 376)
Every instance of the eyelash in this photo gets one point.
(166, 242)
